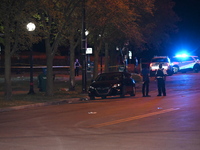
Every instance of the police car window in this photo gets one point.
(176, 59)
(160, 60)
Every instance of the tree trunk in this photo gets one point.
(7, 62)
(96, 61)
(49, 83)
(50, 56)
(106, 58)
(7, 73)
(97, 49)
(72, 73)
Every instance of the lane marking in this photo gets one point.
(132, 118)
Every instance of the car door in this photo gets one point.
(188, 63)
(128, 82)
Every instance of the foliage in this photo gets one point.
(144, 23)
(157, 28)
(116, 22)
(14, 16)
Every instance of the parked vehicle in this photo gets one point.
(166, 64)
(111, 84)
(184, 63)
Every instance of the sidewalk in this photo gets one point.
(69, 101)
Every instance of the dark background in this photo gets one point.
(186, 40)
(188, 36)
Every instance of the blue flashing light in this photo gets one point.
(182, 55)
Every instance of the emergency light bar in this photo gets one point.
(182, 55)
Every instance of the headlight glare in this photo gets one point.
(91, 87)
(116, 85)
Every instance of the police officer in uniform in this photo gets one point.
(76, 67)
(160, 77)
(145, 77)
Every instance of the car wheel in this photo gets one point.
(122, 92)
(92, 98)
(122, 96)
(175, 69)
(196, 68)
(103, 97)
(133, 92)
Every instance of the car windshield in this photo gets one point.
(159, 60)
(176, 59)
(108, 77)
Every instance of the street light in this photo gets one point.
(83, 48)
(31, 27)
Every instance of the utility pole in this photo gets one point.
(83, 48)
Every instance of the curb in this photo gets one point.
(70, 101)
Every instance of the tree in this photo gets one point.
(56, 28)
(157, 28)
(14, 16)
(115, 20)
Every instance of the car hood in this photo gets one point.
(157, 63)
(104, 83)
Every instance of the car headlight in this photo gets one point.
(91, 87)
(116, 85)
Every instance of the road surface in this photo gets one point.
(131, 123)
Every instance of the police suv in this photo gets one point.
(166, 64)
(184, 63)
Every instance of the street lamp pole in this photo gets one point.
(83, 48)
(31, 27)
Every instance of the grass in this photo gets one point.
(20, 89)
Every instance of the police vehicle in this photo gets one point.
(184, 63)
(166, 64)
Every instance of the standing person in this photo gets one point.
(161, 77)
(145, 78)
(76, 67)
(136, 65)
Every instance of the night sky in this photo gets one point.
(188, 36)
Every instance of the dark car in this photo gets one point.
(111, 84)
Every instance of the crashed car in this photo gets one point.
(112, 84)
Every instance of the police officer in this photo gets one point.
(76, 67)
(145, 77)
(160, 77)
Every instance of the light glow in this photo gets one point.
(30, 26)
(182, 54)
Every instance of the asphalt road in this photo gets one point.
(130, 123)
